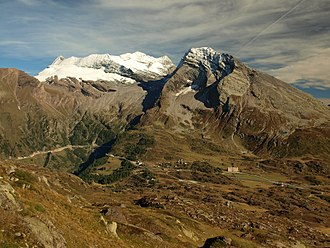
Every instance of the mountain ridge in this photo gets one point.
(127, 67)
(210, 94)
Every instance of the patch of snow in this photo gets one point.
(81, 72)
(141, 62)
(58, 60)
(185, 91)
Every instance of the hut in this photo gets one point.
(232, 169)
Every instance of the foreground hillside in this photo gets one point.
(166, 205)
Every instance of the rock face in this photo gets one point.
(217, 242)
(219, 97)
(46, 233)
(7, 199)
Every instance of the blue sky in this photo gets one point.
(289, 39)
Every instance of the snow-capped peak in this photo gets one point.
(144, 58)
(138, 56)
(104, 66)
(203, 53)
(209, 58)
(58, 60)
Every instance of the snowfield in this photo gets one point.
(106, 67)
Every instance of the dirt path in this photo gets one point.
(55, 150)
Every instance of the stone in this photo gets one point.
(220, 241)
(112, 228)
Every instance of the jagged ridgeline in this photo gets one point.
(79, 109)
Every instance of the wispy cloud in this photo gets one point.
(308, 72)
(284, 37)
(29, 2)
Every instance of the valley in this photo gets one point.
(168, 204)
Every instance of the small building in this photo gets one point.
(232, 169)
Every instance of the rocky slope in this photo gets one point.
(41, 116)
(217, 96)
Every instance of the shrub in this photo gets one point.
(9, 245)
(122, 172)
(313, 180)
(205, 167)
(25, 176)
(145, 179)
(132, 151)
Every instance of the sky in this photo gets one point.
(289, 39)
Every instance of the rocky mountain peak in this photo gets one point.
(201, 70)
(208, 58)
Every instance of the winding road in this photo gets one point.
(59, 149)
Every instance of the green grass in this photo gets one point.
(9, 245)
(40, 208)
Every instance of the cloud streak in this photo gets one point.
(280, 37)
(271, 25)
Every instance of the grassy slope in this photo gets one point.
(73, 209)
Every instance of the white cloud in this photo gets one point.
(311, 69)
